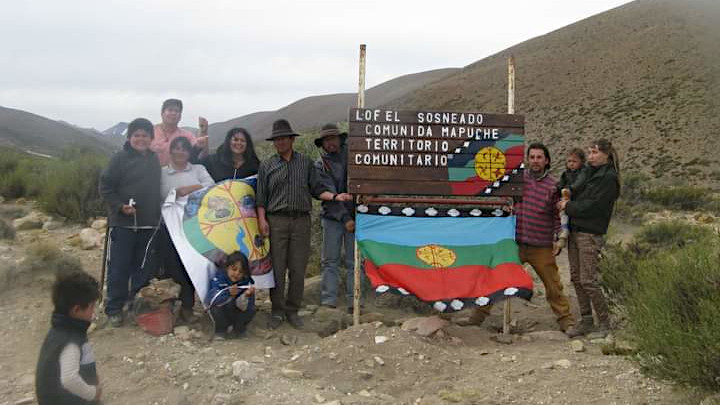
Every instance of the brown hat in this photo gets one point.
(329, 130)
(281, 128)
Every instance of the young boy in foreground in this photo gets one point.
(66, 366)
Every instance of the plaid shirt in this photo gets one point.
(289, 185)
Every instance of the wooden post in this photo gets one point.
(507, 313)
(357, 279)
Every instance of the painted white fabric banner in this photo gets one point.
(213, 222)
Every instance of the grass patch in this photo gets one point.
(667, 282)
(44, 257)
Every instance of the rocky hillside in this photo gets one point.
(29, 132)
(645, 75)
(314, 111)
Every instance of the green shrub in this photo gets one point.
(667, 283)
(634, 186)
(73, 192)
(667, 235)
(619, 264)
(25, 180)
(673, 314)
(6, 230)
(679, 197)
(44, 257)
(67, 186)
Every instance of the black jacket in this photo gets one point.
(220, 168)
(335, 166)
(64, 330)
(574, 180)
(131, 174)
(590, 212)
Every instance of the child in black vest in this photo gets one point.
(232, 297)
(66, 372)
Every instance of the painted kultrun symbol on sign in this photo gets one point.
(490, 164)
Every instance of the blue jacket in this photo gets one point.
(220, 290)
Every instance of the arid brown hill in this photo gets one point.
(313, 112)
(29, 132)
(646, 75)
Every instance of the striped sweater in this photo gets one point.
(538, 220)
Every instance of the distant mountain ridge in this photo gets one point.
(30, 132)
(314, 111)
(119, 129)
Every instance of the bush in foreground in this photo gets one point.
(670, 291)
(73, 193)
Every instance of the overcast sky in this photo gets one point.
(97, 62)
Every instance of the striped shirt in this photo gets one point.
(289, 185)
(538, 220)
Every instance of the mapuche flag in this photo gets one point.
(451, 259)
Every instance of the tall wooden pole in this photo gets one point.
(511, 110)
(356, 283)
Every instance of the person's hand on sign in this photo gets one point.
(350, 226)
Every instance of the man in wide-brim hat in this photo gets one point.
(330, 131)
(338, 219)
(280, 129)
(286, 183)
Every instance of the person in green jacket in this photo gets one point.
(590, 214)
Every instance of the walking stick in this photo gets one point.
(104, 259)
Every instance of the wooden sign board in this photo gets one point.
(435, 153)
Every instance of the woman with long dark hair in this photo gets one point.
(235, 158)
(590, 214)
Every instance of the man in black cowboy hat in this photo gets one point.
(286, 183)
(338, 220)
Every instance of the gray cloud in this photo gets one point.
(94, 63)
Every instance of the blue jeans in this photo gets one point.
(334, 238)
(125, 276)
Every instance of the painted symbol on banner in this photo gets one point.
(490, 163)
(436, 256)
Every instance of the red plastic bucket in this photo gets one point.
(158, 322)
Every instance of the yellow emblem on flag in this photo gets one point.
(490, 163)
(436, 256)
(229, 222)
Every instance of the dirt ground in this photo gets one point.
(377, 362)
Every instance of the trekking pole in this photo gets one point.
(103, 267)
